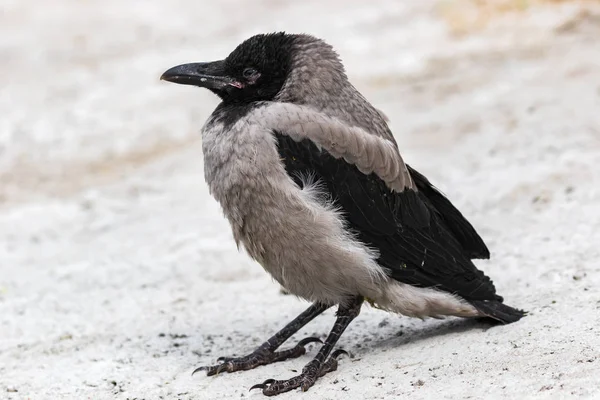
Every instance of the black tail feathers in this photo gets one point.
(498, 311)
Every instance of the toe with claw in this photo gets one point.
(331, 364)
(262, 356)
(310, 373)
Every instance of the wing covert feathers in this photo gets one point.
(368, 152)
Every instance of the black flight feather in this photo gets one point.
(462, 230)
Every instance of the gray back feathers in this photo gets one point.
(369, 153)
(317, 79)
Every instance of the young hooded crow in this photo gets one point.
(310, 177)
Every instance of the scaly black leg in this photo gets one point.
(320, 365)
(266, 353)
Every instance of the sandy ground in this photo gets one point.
(118, 273)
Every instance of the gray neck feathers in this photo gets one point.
(317, 79)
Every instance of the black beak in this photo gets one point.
(210, 75)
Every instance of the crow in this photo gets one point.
(310, 177)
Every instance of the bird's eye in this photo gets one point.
(249, 72)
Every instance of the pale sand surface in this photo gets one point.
(119, 275)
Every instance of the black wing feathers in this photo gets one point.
(462, 230)
(421, 238)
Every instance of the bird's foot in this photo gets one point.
(310, 373)
(262, 356)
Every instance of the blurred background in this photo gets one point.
(118, 273)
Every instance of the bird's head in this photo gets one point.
(260, 67)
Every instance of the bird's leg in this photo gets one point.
(266, 354)
(320, 365)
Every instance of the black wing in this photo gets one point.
(462, 230)
(421, 238)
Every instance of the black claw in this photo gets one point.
(263, 385)
(308, 340)
(220, 369)
(257, 386)
(200, 369)
(340, 352)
